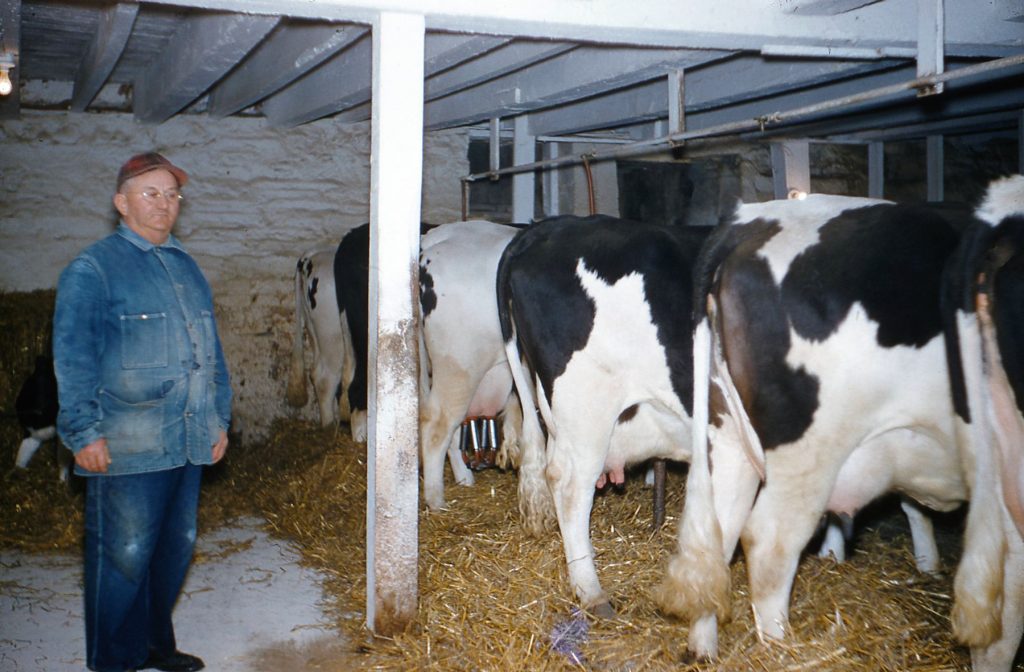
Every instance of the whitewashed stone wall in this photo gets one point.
(257, 198)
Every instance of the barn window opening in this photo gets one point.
(489, 199)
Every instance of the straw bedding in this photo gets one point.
(492, 598)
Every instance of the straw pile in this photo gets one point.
(36, 512)
(492, 598)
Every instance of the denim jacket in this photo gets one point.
(137, 355)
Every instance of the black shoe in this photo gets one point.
(173, 662)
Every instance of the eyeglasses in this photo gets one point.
(152, 193)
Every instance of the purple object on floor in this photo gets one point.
(567, 636)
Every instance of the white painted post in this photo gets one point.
(396, 174)
(676, 101)
(931, 38)
(791, 167)
(494, 146)
(552, 199)
(524, 150)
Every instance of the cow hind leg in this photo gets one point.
(439, 436)
(572, 474)
(435, 436)
(922, 534)
(65, 463)
(463, 474)
(509, 455)
(833, 544)
(779, 527)
(26, 450)
(697, 583)
(326, 382)
(357, 425)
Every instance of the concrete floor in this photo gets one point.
(247, 605)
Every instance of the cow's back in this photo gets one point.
(555, 316)
(790, 280)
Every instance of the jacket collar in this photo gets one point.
(143, 244)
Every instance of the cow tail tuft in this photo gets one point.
(536, 506)
(697, 582)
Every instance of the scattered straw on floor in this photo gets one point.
(492, 598)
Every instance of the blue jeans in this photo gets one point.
(140, 530)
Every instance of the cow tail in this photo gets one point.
(1004, 274)
(1003, 416)
(536, 506)
(994, 433)
(297, 395)
(697, 581)
(978, 586)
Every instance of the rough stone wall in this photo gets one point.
(257, 199)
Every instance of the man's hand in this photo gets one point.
(220, 447)
(94, 457)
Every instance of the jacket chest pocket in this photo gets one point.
(209, 336)
(144, 341)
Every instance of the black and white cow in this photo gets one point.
(316, 312)
(820, 383)
(332, 301)
(36, 407)
(464, 369)
(985, 320)
(599, 308)
(352, 293)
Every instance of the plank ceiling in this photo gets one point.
(572, 66)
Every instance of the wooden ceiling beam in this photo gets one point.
(202, 51)
(106, 47)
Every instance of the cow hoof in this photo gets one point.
(603, 610)
(691, 658)
(358, 427)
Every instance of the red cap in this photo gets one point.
(143, 163)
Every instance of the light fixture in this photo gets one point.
(6, 63)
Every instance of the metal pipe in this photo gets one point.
(463, 442)
(484, 440)
(474, 437)
(583, 140)
(810, 51)
(737, 127)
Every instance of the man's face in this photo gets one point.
(149, 204)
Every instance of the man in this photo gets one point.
(144, 402)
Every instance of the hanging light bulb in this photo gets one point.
(6, 63)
